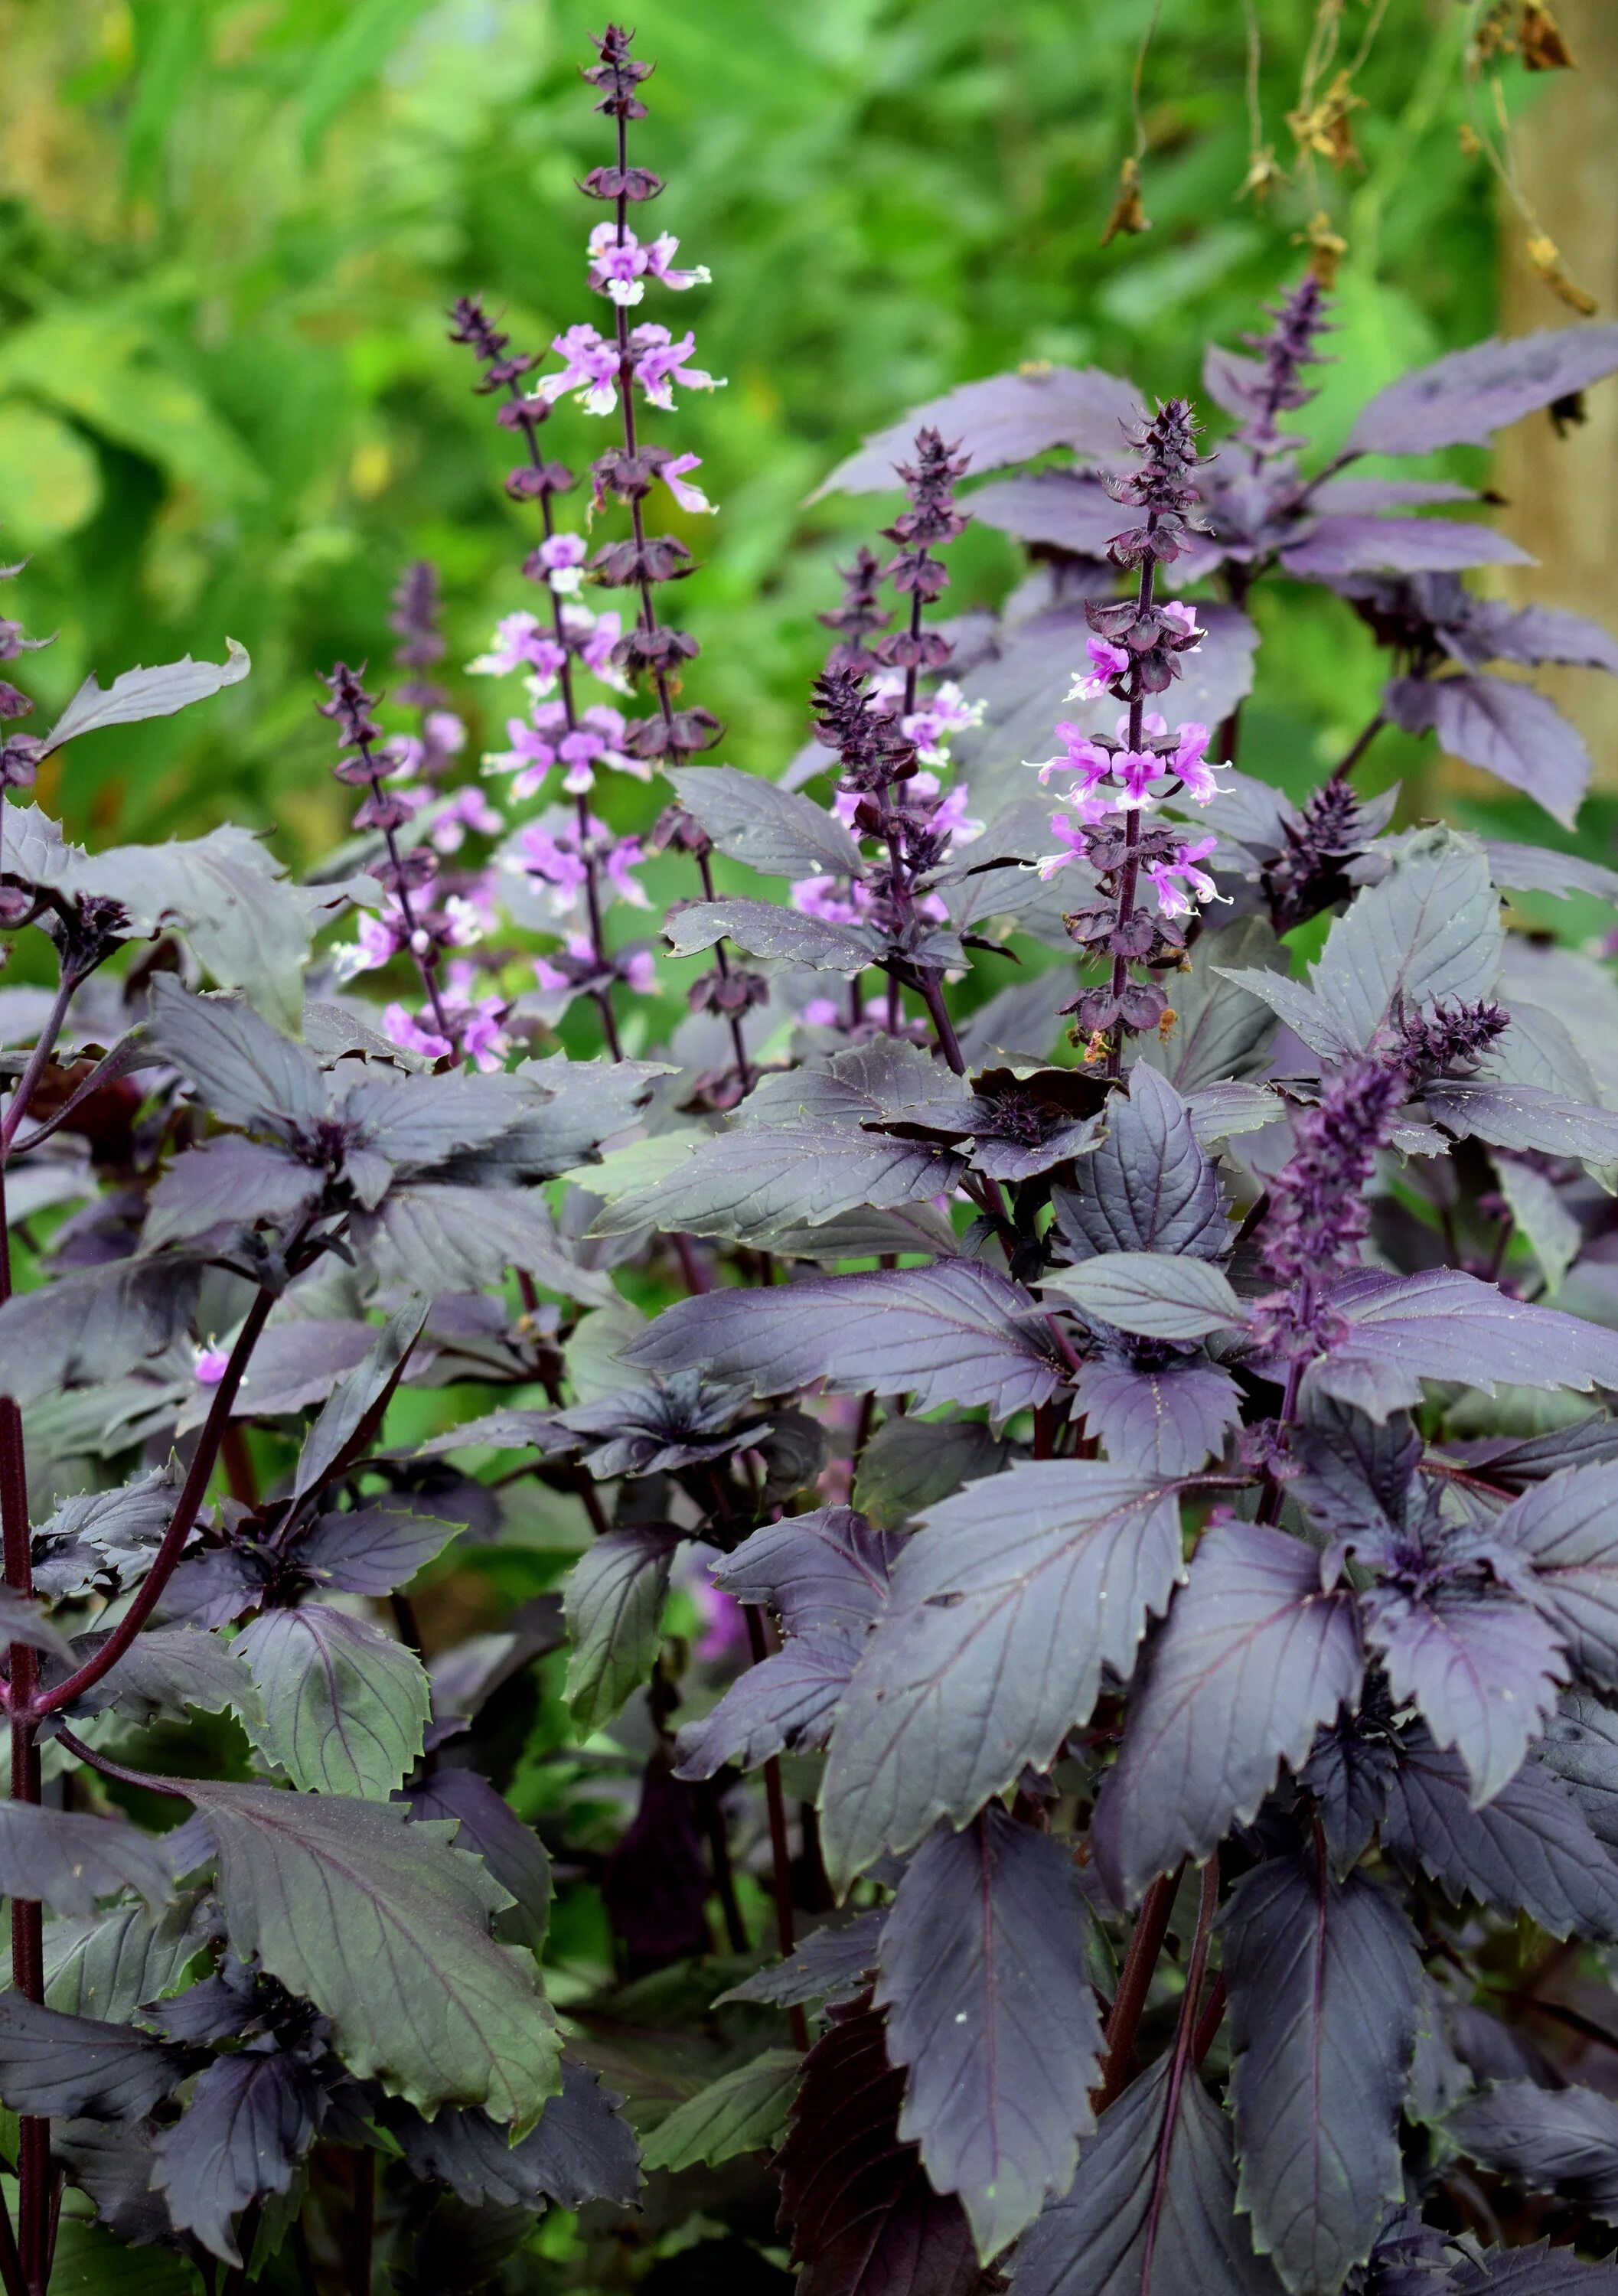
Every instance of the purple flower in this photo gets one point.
(589, 367)
(1073, 835)
(1170, 876)
(211, 1366)
(1136, 770)
(659, 362)
(942, 715)
(467, 808)
(1190, 762)
(411, 1037)
(1080, 757)
(518, 640)
(820, 1012)
(1109, 661)
(619, 266)
(673, 475)
(562, 556)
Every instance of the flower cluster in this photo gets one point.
(19, 753)
(1277, 385)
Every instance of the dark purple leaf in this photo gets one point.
(1139, 2180)
(95, 1325)
(64, 2067)
(229, 1185)
(1428, 932)
(655, 1883)
(1530, 1850)
(1536, 634)
(1325, 1978)
(1540, 2270)
(1446, 1324)
(417, 1122)
(826, 1570)
(771, 829)
(345, 1705)
(1523, 1117)
(1568, 1527)
(763, 928)
(298, 1363)
(864, 2221)
(615, 1598)
(910, 1464)
(1538, 869)
(1220, 1030)
(1005, 1607)
(583, 2150)
(67, 1858)
(1005, 418)
(1350, 1769)
(1362, 494)
(355, 1403)
(1581, 1745)
(958, 1332)
(166, 1672)
(1149, 1187)
(1561, 2140)
(436, 1238)
(1460, 400)
(1481, 1667)
(830, 1965)
(112, 2163)
(991, 2011)
(1507, 729)
(249, 2122)
(491, 1828)
(1069, 509)
(1338, 545)
(788, 1700)
(372, 1549)
(1253, 1657)
(755, 1185)
(242, 1069)
(1356, 1474)
(1516, 1466)
(1167, 1420)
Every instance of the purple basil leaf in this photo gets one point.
(384, 1927)
(1155, 1293)
(832, 1965)
(242, 1069)
(1220, 1030)
(1362, 495)
(229, 1185)
(1167, 1420)
(355, 1401)
(762, 929)
(991, 2011)
(958, 1332)
(113, 2165)
(1357, 1474)
(1094, 2241)
(772, 830)
(22, 1621)
(373, 1549)
(1540, 2270)
(583, 2150)
(67, 1858)
(1253, 1657)
(249, 2122)
(827, 1571)
(345, 1706)
(1523, 1118)
(227, 2004)
(1350, 1769)
(656, 1880)
(1005, 1606)
(168, 1670)
(1338, 546)
(1306, 1014)
(1536, 634)
(1069, 509)
(615, 1599)
(1516, 1466)
(864, 2220)
(564, 1110)
(756, 1184)
(1446, 1324)
(1462, 399)
(1568, 1527)
(418, 1121)
(95, 1325)
(1507, 729)
(491, 1830)
(910, 1464)
(1005, 418)
(1481, 1667)
(436, 1238)
(1325, 1977)
(788, 1700)
(1149, 1187)
(1530, 1850)
(139, 693)
(1581, 1745)
(1537, 869)
(1429, 932)
(298, 1362)
(1562, 2141)
(62, 2068)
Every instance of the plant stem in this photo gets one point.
(1151, 1928)
(780, 1855)
(36, 1062)
(1357, 748)
(1130, 881)
(188, 1507)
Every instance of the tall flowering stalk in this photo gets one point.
(1121, 778)
(606, 375)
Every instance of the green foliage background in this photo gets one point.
(229, 229)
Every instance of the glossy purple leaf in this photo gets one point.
(67, 1858)
(788, 1700)
(1507, 728)
(832, 1964)
(372, 1549)
(582, 2150)
(1005, 418)
(95, 1323)
(1581, 1746)
(1530, 1850)
(1363, 495)
(1482, 1667)
(1523, 1117)
(59, 2067)
(249, 2122)
(772, 830)
(229, 1185)
(491, 1830)
(864, 2220)
(958, 1332)
(1428, 932)
(1341, 544)
(1005, 1606)
(1348, 1770)
(991, 2011)
(1536, 634)
(763, 928)
(1167, 1420)
(1540, 2270)
(1157, 1294)
(1325, 1977)
(1446, 1324)
(1138, 2177)
(1069, 509)
(1538, 869)
(1149, 1187)
(827, 1570)
(1253, 1657)
(1568, 1527)
(615, 1598)
(242, 1069)
(1462, 399)
(1562, 2140)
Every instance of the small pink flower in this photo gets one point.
(1182, 618)
(1190, 762)
(562, 556)
(660, 262)
(1136, 770)
(638, 972)
(820, 1012)
(618, 861)
(589, 367)
(673, 476)
(724, 1623)
(1107, 661)
(659, 362)
(467, 808)
(211, 1366)
(1080, 757)
(518, 640)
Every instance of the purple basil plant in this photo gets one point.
(958, 1632)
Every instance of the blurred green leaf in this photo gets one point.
(49, 480)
